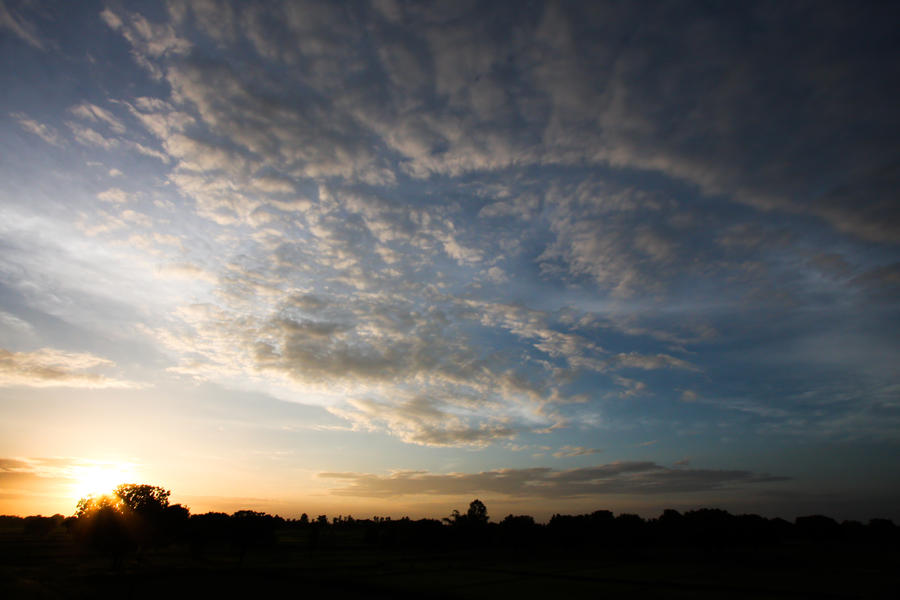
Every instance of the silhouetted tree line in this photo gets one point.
(137, 519)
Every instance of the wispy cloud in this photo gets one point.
(91, 137)
(570, 451)
(45, 132)
(20, 27)
(92, 112)
(48, 367)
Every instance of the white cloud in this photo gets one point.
(91, 137)
(187, 271)
(423, 421)
(148, 40)
(114, 195)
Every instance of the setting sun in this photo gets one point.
(100, 478)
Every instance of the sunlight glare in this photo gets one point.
(100, 478)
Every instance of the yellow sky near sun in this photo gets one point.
(96, 480)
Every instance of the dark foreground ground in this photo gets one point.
(52, 565)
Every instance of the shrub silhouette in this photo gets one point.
(517, 530)
(207, 529)
(41, 527)
(250, 528)
(818, 528)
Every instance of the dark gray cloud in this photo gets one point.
(628, 477)
(571, 451)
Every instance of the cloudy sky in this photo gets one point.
(386, 257)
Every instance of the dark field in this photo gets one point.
(350, 562)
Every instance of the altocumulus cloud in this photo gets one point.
(491, 96)
(463, 224)
(315, 147)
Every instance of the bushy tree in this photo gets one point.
(133, 517)
(143, 498)
(475, 515)
(477, 512)
(102, 525)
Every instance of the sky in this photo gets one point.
(382, 258)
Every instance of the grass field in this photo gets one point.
(342, 565)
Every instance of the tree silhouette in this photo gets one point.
(454, 518)
(101, 525)
(142, 498)
(91, 504)
(134, 517)
(477, 513)
(475, 516)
